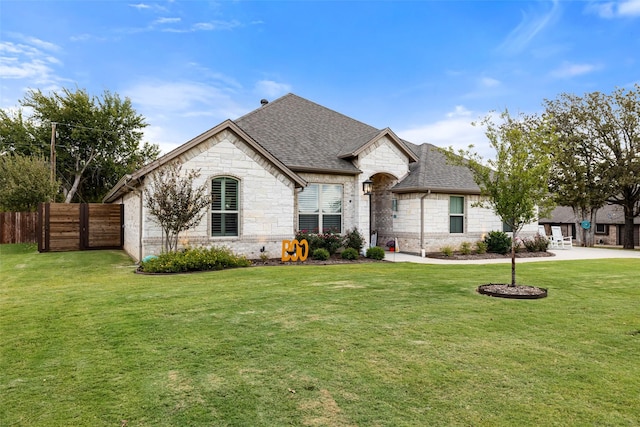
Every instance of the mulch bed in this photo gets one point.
(502, 290)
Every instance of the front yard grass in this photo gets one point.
(85, 342)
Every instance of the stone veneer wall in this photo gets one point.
(478, 222)
(266, 200)
(386, 164)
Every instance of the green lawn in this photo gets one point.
(85, 342)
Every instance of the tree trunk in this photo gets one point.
(74, 188)
(585, 237)
(627, 242)
(513, 263)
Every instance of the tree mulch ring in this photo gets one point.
(503, 290)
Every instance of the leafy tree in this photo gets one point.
(606, 128)
(175, 203)
(97, 139)
(577, 176)
(25, 182)
(515, 183)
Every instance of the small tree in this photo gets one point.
(515, 183)
(175, 203)
(24, 183)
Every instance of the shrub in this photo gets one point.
(481, 247)
(465, 248)
(375, 252)
(313, 239)
(354, 239)
(446, 251)
(330, 241)
(498, 242)
(193, 259)
(537, 244)
(350, 253)
(321, 254)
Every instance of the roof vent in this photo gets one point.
(264, 101)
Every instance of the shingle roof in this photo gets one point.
(298, 135)
(608, 214)
(433, 172)
(308, 136)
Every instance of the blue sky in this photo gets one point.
(426, 69)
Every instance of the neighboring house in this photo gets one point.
(295, 165)
(608, 227)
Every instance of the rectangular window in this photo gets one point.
(602, 229)
(320, 208)
(456, 214)
(224, 207)
(506, 228)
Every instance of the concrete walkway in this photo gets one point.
(575, 253)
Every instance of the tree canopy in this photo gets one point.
(515, 183)
(175, 203)
(597, 158)
(97, 139)
(25, 181)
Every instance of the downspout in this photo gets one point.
(422, 250)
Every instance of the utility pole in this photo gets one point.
(52, 155)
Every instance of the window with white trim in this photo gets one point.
(456, 214)
(224, 206)
(320, 208)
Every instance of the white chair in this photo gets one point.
(542, 231)
(558, 240)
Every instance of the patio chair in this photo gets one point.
(558, 240)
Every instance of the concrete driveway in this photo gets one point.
(575, 253)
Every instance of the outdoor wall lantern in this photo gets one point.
(367, 187)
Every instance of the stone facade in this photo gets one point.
(268, 208)
(266, 202)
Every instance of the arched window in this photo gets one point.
(224, 206)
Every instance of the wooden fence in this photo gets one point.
(18, 227)
(84, 226)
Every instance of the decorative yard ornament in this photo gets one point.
(292, 250)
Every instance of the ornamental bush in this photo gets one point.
(498, 242)
(321, 254)
(354, 239)
(537, 244)
(375, 252)
(350, 253)
(193, 259)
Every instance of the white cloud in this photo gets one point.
(272, 89)
(167, 20)
(528, 28)
(489, 82)
(629, 8)
(27, 62)
(177, 112)
(455, 130)
(609, 10)
(568, 70)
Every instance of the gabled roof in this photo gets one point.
(307, 136)
(297, 135)
(122, 186)
(433, 173)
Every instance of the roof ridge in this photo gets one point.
(255, 110)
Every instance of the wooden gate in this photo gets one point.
(80, 226)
